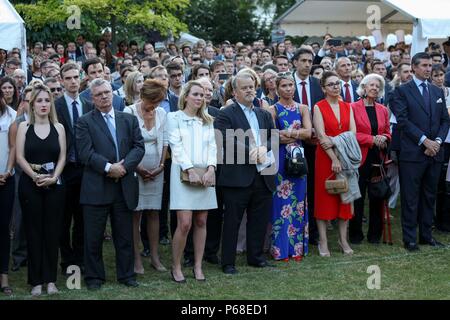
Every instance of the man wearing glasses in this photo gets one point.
(55, 87)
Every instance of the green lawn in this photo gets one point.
(421, 275)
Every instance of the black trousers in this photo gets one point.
(419, 181)
(442, 220)
(71, 241)
(7, 192)
(19, 242)
(42, 211)
(310, 155)
(122, 233)
(375, 208)
(257, 200)
(213, 231)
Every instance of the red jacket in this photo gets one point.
(363, 128)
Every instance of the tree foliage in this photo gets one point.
(219, 20)
(46, 19)
(278, 6)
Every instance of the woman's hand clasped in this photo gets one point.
(209, 178)
(194, 178)
(326, 143)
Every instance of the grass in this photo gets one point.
(420, 275)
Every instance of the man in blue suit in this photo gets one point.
(423, 120)
(94, 69)
(308, 92)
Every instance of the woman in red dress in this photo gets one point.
(332, 117)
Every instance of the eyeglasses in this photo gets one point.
(56, 89)
(284, 74)
(333, 85)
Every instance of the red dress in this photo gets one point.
(328, 206)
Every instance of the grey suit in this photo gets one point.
(103, 196)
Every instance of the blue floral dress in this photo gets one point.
(290, 207)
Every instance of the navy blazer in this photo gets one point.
(235, 175)
(355, 94)
(65, 119)
(173, 102)
(95, 146)
(118, 102)
(414, 120)
(315, 91)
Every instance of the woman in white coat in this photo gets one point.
(193, 145)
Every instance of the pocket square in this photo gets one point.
(439, 100)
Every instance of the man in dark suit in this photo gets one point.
(245, 185)
(344, 71)
(69, 108)
(308, 92)
(110, 146)
(423, 120)
(94, 69)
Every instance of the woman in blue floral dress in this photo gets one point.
(290, 208)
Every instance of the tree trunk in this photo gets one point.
(113, 34)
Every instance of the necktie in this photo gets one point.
(304, 95)
(426, 96)
(348, 97)
(73, 156)
(112, 130)
(75, 114)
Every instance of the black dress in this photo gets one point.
(42, 209)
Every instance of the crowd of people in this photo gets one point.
(215, 149)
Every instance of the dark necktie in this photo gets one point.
(304, 95)
(75, 117)
(348, 97)
(426, 96)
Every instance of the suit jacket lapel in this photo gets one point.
(296, 94)
(66, 115)
(417, 95)
(363, 114)
(103, 126)
(244, 121)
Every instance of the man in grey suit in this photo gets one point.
(110, 146)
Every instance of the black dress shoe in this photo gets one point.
(131, 283)
(177, 281)
(229, 269)
(411, 246)
(145, 253)
(188, 262)
(263, 264)
(432, 243)
(93, 286)
(212, 259)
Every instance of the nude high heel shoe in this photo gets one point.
(323, 253)
(348, 252)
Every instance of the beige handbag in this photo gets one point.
(337, 185)
(184, 175)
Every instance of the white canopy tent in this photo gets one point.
(12, 31)
(426, 19)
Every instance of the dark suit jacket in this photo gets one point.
(64, 118)
(315, 91)
(355, 95)
(118, 102)
(95, 147)
(241, 175)
(173, 102)
(414, 120)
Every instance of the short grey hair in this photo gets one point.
(99, 82)
(241, 76)
(372, 76)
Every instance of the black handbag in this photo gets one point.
(378, 188)
(295, 163)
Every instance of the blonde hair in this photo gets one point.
(201, 113)
(128, 87)
(37, 89)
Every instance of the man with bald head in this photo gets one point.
(343, 68)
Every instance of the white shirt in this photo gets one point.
(69, 102)
(298, 83)
(350, 87)
(5, 121)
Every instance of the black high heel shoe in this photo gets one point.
(195, 277)
(177, 281)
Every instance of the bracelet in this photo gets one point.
(161, 165)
